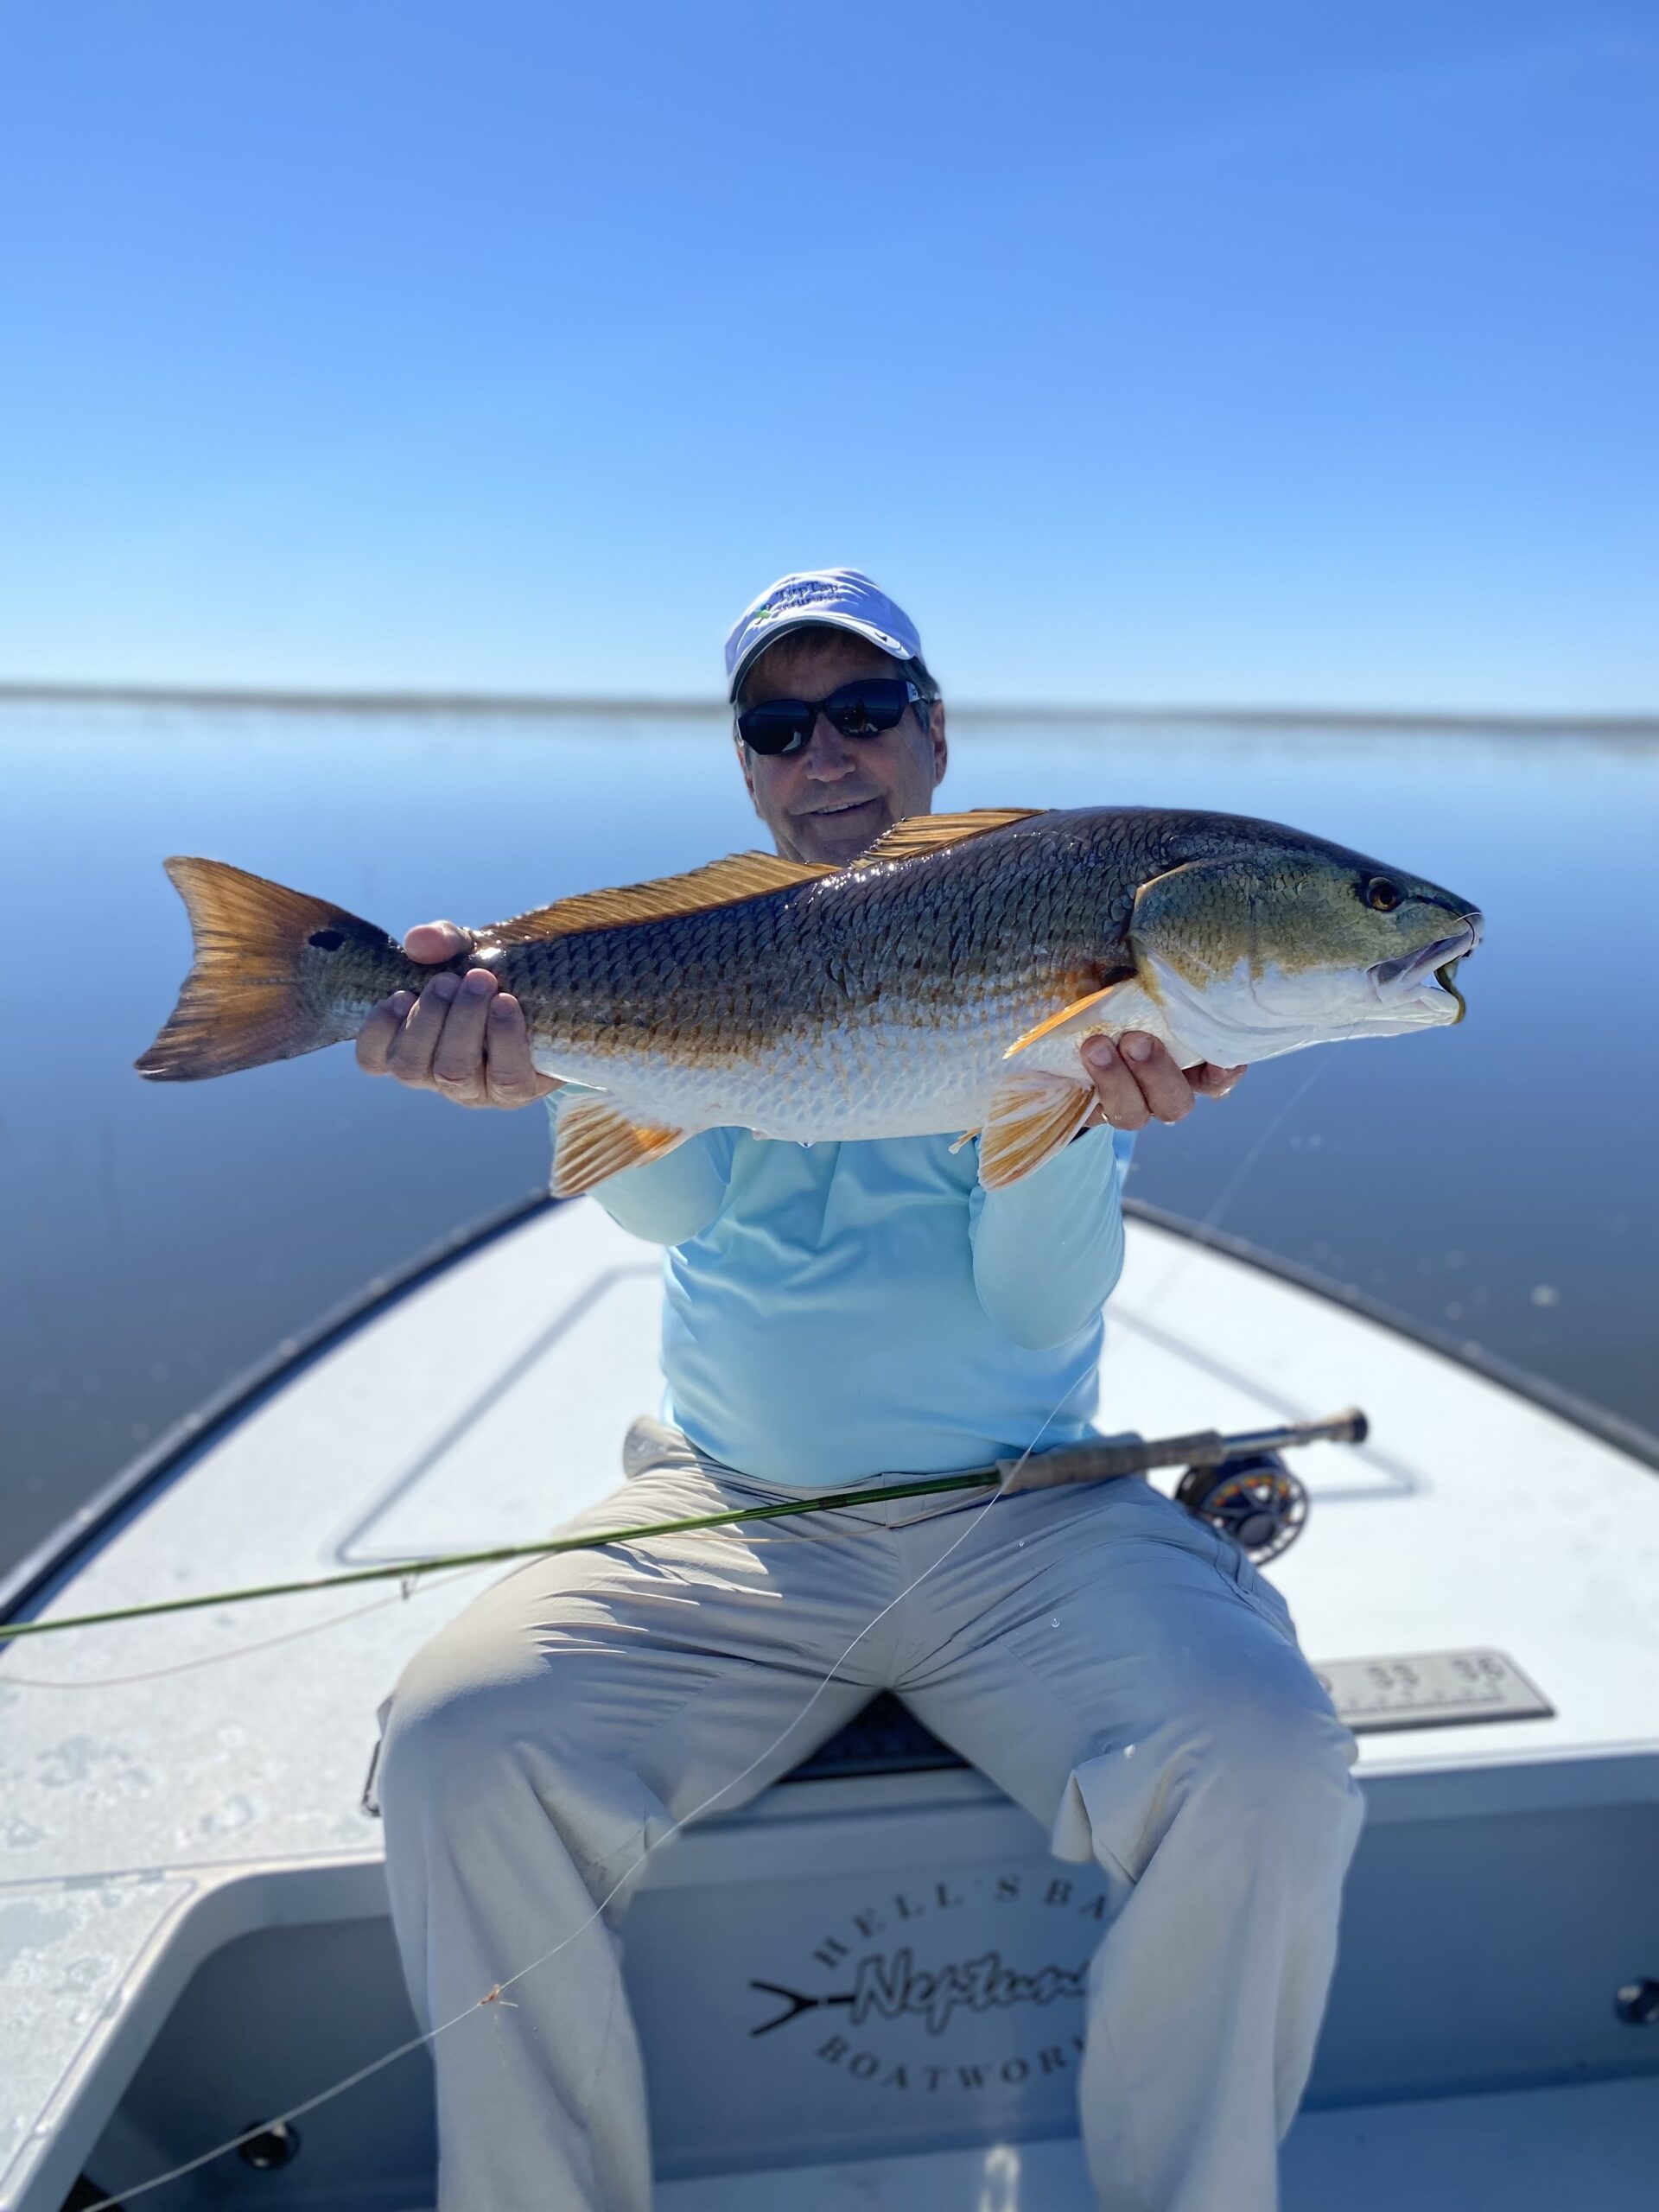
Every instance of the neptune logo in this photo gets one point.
(941, 2012)
(890, 1987)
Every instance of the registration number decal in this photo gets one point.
(1431, 1689)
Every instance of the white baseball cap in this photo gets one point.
(843, 598)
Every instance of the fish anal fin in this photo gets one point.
(722, 883)
(1032, 1116)
(597, 1139)
(1126, 1004)
(927, 833)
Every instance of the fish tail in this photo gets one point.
(265, 985)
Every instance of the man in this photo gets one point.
(834, 1313)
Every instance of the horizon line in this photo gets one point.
(282, 699)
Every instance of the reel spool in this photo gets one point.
(1256, 1500)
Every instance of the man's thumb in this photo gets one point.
(432, 942)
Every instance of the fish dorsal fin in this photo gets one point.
(720, 883)
(728, 882)
(927, 833)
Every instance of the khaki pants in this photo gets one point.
(1117, 1667)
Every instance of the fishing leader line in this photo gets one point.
(1198, 1239)
(115, 2203)
(418, 1571)
(415, 1585)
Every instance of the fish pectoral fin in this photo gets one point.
(596, 1139)
(1033, 1115)
(927, 833)
(1119, 1006)
(722, 883)
(1089, 1014)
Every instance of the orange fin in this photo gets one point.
(596, 1139)
(926, 833)
(730, 881)
(1094, 1002)
(722, 883)
(258, 989)
(1126, 1004)
(1032, 1116)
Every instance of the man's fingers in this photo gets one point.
(1209, 1081)
(430, 942)
(513, 1077)
(1136, 1080)
(410, 1057)
(1165, 1089)
(379, 1032)
(1121, 1100)
(464, 1038)
(457, 1057)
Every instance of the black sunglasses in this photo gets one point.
(863, 709)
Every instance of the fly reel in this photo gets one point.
(1256, 1500)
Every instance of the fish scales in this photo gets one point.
(943, 983)
(830, 1007)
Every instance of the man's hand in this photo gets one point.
(1136, 1081)
(463, 1037)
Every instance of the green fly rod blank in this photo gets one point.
(1073, 1463)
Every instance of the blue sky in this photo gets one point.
(1296, 352)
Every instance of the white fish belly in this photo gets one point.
(879, 1074)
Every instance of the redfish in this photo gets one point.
(942, 983)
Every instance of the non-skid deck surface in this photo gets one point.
(134, 1760)
(1593, 2147)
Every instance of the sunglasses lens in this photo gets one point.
(777, 727)
(863, 709)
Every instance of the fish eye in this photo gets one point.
(326, 940)
(1380, 894)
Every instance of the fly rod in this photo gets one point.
(1096, 1461)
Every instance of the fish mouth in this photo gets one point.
(1433, 969)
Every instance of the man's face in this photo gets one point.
(834, 798)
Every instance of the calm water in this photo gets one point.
(1498, 1180)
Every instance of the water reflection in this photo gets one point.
(1495, 1179)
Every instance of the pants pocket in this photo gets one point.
(1241, 1575)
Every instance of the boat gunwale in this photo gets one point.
(187, 1438)
(1616, 1430)
(193, 1433)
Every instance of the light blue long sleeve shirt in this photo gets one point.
(836, 1311)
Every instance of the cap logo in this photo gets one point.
(813, 592)
(841, 598)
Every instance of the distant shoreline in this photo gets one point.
(531, 705)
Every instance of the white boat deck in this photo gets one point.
(149, 1767)
(1557, 2150)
